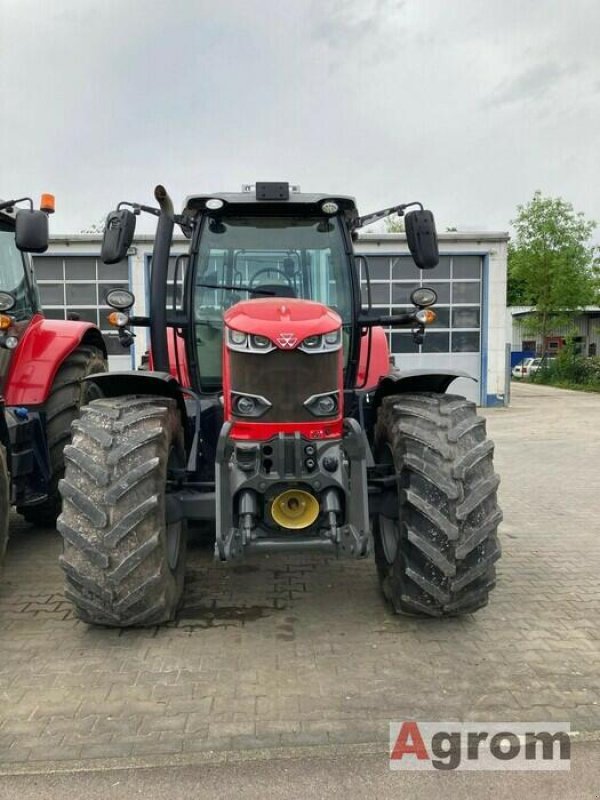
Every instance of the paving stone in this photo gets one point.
(107, 750)
(299, 650)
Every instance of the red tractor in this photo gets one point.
(270, 407)
(42, 364)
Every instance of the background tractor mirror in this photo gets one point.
(422, 238)
(118, 235)
(31, 231)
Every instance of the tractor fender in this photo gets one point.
(117, 384)
(39, 355)
(417, 380)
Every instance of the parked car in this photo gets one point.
(521, 370)
(529, 366)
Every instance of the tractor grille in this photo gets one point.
(286, 378)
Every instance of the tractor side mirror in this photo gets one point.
(31, 231)
(118, 235)
(422, 238)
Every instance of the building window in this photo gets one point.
(457, 282)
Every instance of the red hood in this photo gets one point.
(273, 316)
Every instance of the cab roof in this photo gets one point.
(278, 201)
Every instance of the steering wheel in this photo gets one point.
(271, 270)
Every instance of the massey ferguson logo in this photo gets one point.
(287, 340)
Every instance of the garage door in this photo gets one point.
(78, 284)
(454, 340)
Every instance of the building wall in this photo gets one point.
(584, 325)
(470, 333)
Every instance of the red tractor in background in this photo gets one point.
(42, 363)
(270, 408)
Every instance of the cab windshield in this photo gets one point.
(245, 257)
(13, 277)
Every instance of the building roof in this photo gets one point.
(521, 311)
(446, 236)
(443, 236)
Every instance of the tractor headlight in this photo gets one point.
(7, 301)
(248, 342)
(312, 343)
(333, 340)
(249, 405)
(323, 405)
(10, 342)
(322, 343)
(237, 338)
(121, 299)
(245, 406)
(260, 342)
(423, 296)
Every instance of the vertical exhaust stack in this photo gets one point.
(158, 280)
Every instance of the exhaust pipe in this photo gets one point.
(158, 280)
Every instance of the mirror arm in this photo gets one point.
(360, 222)
(137, 208)
(176, 319)
(142, 322)
(394, 321)
(8, 204)
(184, 221)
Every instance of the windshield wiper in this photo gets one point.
(236, 288)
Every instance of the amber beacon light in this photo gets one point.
(48, 203)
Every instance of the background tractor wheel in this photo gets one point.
(123, 559)
(436, 544)
(67, 396)
(4, 503)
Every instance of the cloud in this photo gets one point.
(533, 83)
(359, 31)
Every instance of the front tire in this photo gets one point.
(68, 394)
(123, 559)
(436, 544)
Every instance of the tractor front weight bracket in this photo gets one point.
(250, 492)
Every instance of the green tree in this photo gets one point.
(551, 263)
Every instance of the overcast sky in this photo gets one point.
(468, 106)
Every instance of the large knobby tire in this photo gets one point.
(436, 547)
(124, 563)
(68, 394)
(4, 502)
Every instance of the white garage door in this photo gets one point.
(78, 284)
(454, 340)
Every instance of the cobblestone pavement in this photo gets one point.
(295, 651)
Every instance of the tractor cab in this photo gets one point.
(250, 252)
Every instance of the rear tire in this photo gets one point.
(124, 564)
(68, 394)
(4, 503)
(435, 552)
